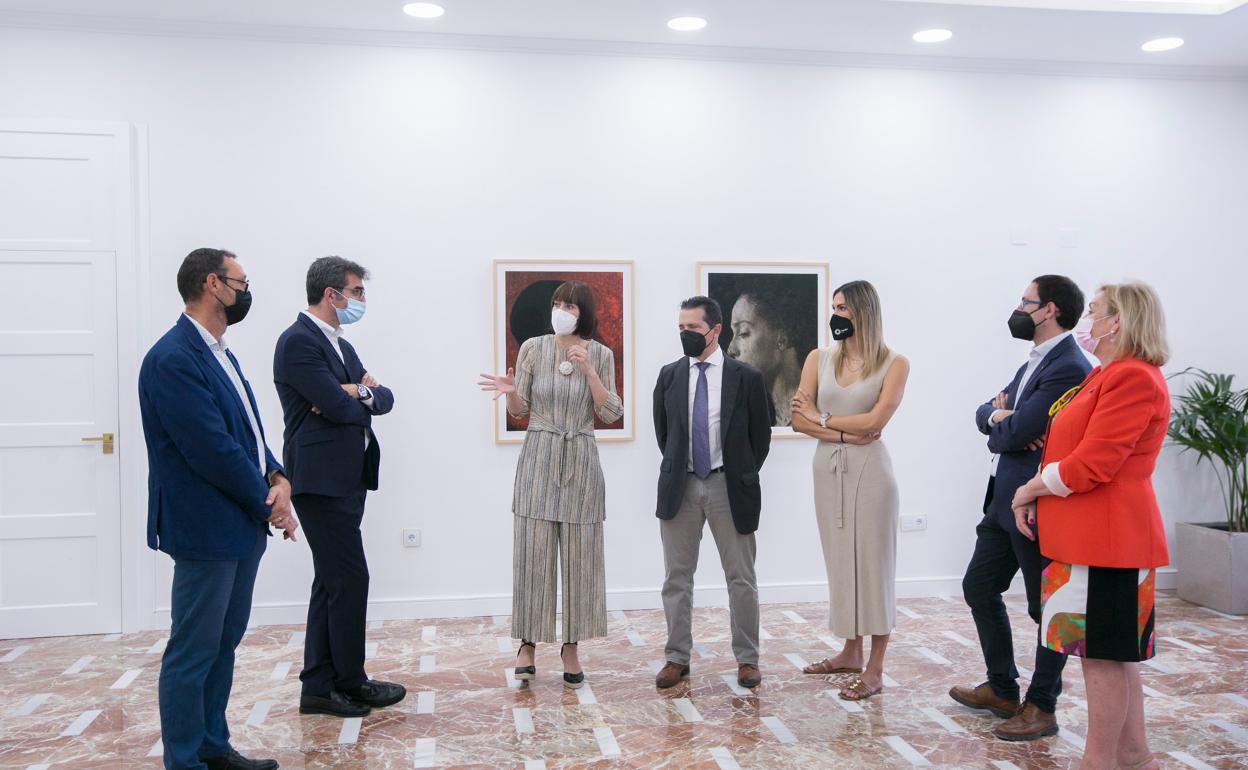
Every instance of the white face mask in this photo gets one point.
(562, 321)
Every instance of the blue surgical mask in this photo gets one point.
(353, 312)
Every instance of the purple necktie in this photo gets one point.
(701, 426)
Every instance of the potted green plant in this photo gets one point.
(1211, 419)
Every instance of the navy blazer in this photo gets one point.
(745, 438)
(205, 494)
(325, 453)
(1064, 367)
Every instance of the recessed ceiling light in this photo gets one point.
(1162, 44)
(424, 10)
(932, 36)
(687, 24)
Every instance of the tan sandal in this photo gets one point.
(859, 690)
(825, 666)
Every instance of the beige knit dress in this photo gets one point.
(856, 505)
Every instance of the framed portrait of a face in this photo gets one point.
(523, 291)
(775, 313)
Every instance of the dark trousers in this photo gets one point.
(333, 649)
(210, 603)
(999, 555)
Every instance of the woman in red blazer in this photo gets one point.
(1099, 524)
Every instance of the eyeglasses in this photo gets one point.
(1025, 301)
(246, 284)
(357, 292)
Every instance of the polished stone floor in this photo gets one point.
(90, 702)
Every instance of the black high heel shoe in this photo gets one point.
(525, 673)
(572, 681)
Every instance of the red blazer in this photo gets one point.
(1106, 442)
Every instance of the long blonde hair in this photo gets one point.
(864, 302)
(1141, 321)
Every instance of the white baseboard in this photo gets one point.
(417, 608)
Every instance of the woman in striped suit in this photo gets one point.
(561, 381)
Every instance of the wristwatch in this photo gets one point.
(823, 419)
(364, 393)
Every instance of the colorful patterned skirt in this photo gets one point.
(1098, 612)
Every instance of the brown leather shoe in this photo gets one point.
(670, 675)
(748, 675)
(983, 697)
(1031, 722)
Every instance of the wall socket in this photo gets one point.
(411, 538)
(916, 522)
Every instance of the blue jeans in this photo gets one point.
(211, 603)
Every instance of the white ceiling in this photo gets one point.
(983, 33)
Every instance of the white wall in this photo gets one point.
(425, 165)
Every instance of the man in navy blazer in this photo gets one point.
(213, 489)
(1015, 422)
(328, 401)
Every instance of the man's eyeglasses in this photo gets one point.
(1025, 301)
(357, 292)
(227, 278)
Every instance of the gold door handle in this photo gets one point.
(106, 442)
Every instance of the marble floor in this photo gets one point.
(90, 702)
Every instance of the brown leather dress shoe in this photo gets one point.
(983, 697)
(748, 675)
(670, 675)
(1031, 722)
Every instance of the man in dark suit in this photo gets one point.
(1015, 422)
(328, 402)
(713, 423)
(213, 489)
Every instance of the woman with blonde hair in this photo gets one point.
(1093, 508)
(848, 394)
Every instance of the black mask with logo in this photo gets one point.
(842, 328)
(238, 311)
(1022, 325)
(693, 342)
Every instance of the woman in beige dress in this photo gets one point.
(561, 381)
(849, 392)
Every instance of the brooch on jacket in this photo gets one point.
(565, 368)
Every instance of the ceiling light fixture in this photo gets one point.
(1162, 44)
(424, 10)
(687, 24)
(932, 36)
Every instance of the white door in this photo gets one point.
(63, 197)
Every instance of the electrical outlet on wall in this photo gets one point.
(915, 522)
(411, 538)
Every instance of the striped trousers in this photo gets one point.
(578, 548)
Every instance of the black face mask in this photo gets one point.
(842, 328)
(1022, 325)
(693, 342)
(238, 311)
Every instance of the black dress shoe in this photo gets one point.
(336, 704)
(572, 681)
(236, 761)
(525, 673)
(377, 694)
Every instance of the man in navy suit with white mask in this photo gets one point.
(331, 453)
(1015, 422)
(213, 490)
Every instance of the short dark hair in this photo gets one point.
(711, 311)
(1064, 294)
(196, 268)
(579, 294)
(331, 273)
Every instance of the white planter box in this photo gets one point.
(1213, 567)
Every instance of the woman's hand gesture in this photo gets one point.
(500, 384)
(579, 357)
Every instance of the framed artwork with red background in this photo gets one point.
(522, 294)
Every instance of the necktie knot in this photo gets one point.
(702, 365)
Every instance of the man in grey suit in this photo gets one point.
(713, 422)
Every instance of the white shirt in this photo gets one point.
(333, 335)
(714, 390)
(219, 348)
